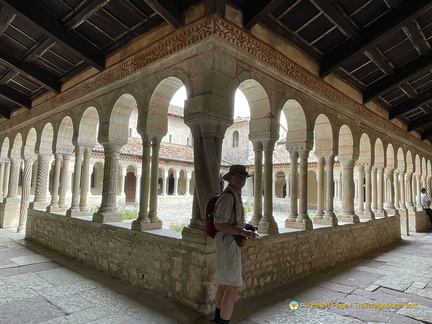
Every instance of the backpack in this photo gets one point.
(210, 205)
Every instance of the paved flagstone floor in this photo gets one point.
(41, 286)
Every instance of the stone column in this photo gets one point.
(187, 193)
(360, 189)
(408, 191)
(368, 213)
(380, 192)
(2, 171)
(108, 211)
(303, 219)
(42, 178)
(25, 196)
(347, 213)
(267, 223)
(329, 215)
(64, 182)
(257, 212)
(138, 188)
(76, 182)
(419, 187)
(291, 221)
(164, 183)
(396, 189)
(154, 184)
(143, 220)
(6, 178)
(14, 177)
(320, 191)
(389, 181)
(9, 213)
(403, 211)
(56, 183)
(85, 182)
(374, 189)
(176, 180)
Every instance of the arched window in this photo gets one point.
(235, 139)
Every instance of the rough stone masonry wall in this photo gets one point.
(184, 271)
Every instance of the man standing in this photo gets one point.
(229, 220)
(425, 202)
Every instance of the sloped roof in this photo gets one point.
(380, 47)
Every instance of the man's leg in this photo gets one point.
(228, 300)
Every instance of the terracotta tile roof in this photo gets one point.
(169, 152)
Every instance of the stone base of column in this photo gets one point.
(299, 223)
(392, 211)
(327, 219)
(268, 227)
(196, 235)
(366, 215)
(56, 209)
(9, 212)
(145, 226)
(348, 218)
(381, 213)
(106, 217)
(76, 213)
(42, 205)
(404, 221)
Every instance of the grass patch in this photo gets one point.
(247, 208)
(177, 227)
(129, 213)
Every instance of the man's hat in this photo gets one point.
(236, 169)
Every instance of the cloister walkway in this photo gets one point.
(41, 286)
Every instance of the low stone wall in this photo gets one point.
(183, 269)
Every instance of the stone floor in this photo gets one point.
(389, 285)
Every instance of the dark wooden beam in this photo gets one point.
(402, 75)
(39, 50)
(213, 7)
(87, 11)
(45, 23)
(411, 104)
(252, 15)
(167, 10)
(409, 90)
(15, 96)
(5, 113)
(31, 71)
(8, 76)
(420, 122)
(379, 60)
(372, 35)
(335, 16)
(427, 134)
(6, 18)
(395, 4)
(413, 33)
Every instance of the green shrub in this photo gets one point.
(247, 208)
(177, 227)
(129, 213)
(94, 210)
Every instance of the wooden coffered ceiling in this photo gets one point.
(381, 47)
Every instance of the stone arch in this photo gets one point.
(156, 122)
(257, 97)
(365, 149)
(45, 141)
(323, 136)
(298, 133)
(390, 157)
(88, 128)
(65, 135)
(346, 143)
(4, 148)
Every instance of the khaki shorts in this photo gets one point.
(228, 261)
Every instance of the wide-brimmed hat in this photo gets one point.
(236, 169)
